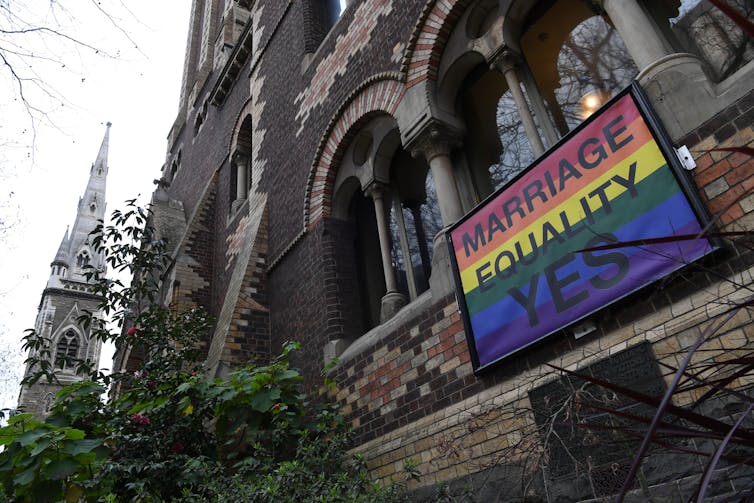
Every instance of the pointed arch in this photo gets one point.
(67, 345)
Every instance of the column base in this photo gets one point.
(236, 205)
(392, 302)
(334, 349)
(441, 282)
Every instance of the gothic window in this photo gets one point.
(174, 167)
(67, 349)
(83, 259)
(201, 116)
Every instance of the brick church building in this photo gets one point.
(325, 152)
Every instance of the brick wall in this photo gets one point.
(725, 178)
(414, 395)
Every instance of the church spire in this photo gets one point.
(91, 208)
(101, 162)
(69, 293)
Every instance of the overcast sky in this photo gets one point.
(42, 178)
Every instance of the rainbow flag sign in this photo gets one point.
(545, 251)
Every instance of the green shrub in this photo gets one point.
(171, 433)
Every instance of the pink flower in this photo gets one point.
(178, 447)
(276, 406)
(132, 332)
(140, 419)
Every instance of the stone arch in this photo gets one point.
(367, 158)
(450, 38)
(380, 95)
(422, 58)
(243, 121)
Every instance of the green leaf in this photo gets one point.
(25, 477)
(74, 434)
(18, 418)
(289, 374)
(261, 402)
(86, 458)
(39, 448)
(29, 437)
(59, 469)
(76, 447)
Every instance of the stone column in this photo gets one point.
(506, 64)
(393, 300)
(435, 144)
(421, 236)
(538, 104)
(643, 41)
(242, 168)
(405, 248)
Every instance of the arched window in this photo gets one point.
(67, 349)
(334, 8)
(240, 169)
(83, 259)
(388, 197)
(577, 58)
(565, 61)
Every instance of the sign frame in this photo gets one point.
(660, 136)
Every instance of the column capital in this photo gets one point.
(239, 158)
(376, 190)
(505, 60)
(435, 139)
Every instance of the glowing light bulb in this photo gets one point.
(590, 102)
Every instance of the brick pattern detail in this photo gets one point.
(424, 366)
(195, 264)
(242, 327)
(383, 96)
(429, 39)
(726, 179)
(248, 338)
(348, 45)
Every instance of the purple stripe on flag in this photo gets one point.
(646, 265)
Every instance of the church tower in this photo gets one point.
(68, 294)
